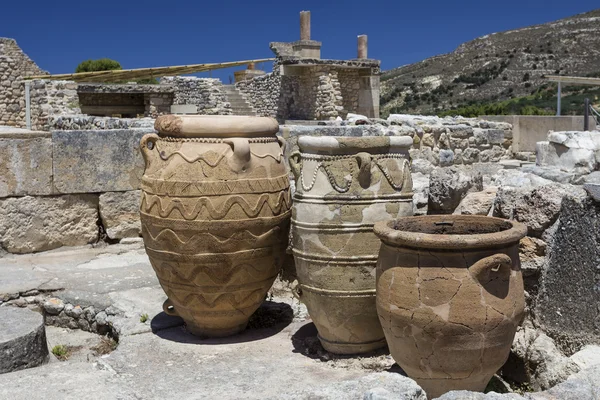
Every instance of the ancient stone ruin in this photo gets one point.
(151, 253)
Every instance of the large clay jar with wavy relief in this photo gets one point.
(215, 213)
(343, 186)
(450, 297)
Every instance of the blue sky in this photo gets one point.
(57, 35)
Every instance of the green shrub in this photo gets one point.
(102, 64)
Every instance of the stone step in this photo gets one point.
(239, 105)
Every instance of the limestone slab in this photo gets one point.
(120, 214)
(25, 166)
(30, 224)
(97, 160)
(22, 339)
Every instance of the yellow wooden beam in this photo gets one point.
(116, 75)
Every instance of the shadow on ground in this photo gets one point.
(270, 319)
(306, 342)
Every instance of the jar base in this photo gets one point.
(205, 333)
(437, 387)
(351, 348)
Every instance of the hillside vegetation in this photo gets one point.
(501, 73)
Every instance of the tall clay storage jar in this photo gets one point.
(215, 212)
(343, 186)
(450, 297)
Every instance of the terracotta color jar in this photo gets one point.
(215, 215)
(343, 186)
(450, 297)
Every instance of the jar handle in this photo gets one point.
(500, 263)
(295, 164)
(241, 152)
(364, 173)
(147, 146)
(169, 309)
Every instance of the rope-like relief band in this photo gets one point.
(215, 140)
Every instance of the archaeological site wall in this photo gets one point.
(205, 93)
(324, 91)
(14, 65)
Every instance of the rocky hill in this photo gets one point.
(495, 67)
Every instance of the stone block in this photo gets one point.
(567, 304)
(120, 214)
(537, 207)
(184, 109)
(97, 160)
(30, 224)
(22, 339)
(448, 186)
(25, 164)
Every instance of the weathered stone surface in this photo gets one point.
(22, 339)
(554, 174)
(571, 151)
(97, 160)
(567, 303)
(29, 224)
(584, 385)
(587, 357)
(477, 203)
(25, 164)
(548, 364)
(466, 395)
(532, 252)
(421, 193)
(537, 207)
(516, 178)
(448, 186)
(421, 165)
(120, 213)
(376, 386)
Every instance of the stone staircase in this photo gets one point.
(239, 105)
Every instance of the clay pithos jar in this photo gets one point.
(450, 297)
(215, 213)
(343, 186)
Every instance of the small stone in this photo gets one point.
(53, 306)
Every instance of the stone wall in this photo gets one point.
(14, 65)
(324, 91)
(56, 187)
(455, 141)
(205, 93)
(263, 93)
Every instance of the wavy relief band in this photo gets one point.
(258, 224)
(281, 204)
(170, 236)
(210, 280)
(405, 171)
(201, 157)
(218, 259)
(215, 188)
(330, 177)
(185, 299)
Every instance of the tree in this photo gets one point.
(102, 64)
(106, 64)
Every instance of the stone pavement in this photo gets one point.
(158, 359)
